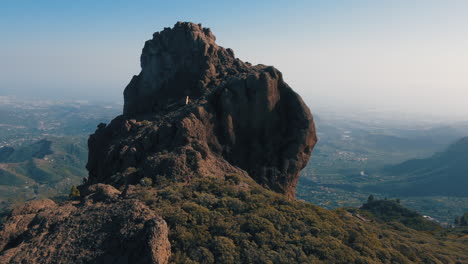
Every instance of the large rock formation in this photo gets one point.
(103, 228)
(195, 110)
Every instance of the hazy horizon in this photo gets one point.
(388, 56)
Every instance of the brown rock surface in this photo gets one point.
(104, 231)
(240, 118)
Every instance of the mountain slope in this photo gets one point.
(212, 220)
(36, 150)
(445, 173)
(215, 220)
(43, 168)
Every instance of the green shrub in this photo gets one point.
(146, 181)
(74, 192)
(232, 178)
(145, 123)
(225, 251)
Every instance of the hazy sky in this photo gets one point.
(404, 55)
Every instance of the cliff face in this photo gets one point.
(195, 110)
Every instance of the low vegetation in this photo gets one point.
(392, 211)
(74, 193)
(234, 220)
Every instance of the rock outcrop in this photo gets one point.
(103, 228)
(195, 110)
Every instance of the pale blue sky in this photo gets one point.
(405, 55)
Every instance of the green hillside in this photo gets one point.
(234, 220)
(392, 211)
(36, 150)
(41, 169)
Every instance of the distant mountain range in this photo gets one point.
(444, 173)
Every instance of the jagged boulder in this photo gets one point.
(196, 110)
(90, 231)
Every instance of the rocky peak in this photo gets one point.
(195, 110)
(178, 62)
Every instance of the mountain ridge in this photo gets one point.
(447, 171)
